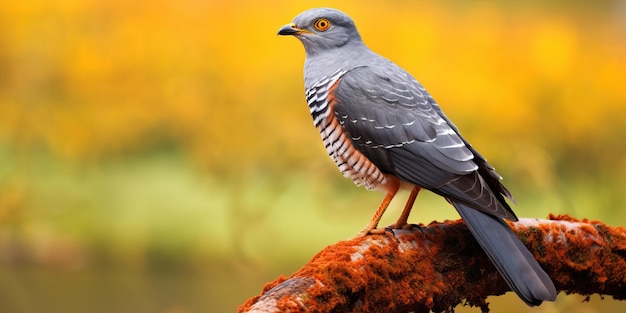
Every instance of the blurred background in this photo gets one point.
(158, 156)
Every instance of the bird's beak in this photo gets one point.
(291, 29)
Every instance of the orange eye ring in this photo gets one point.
(322, 24)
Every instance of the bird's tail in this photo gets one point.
(515, 263)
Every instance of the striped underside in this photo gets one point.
(350, 161)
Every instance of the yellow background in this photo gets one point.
(158, 156)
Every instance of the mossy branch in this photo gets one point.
(439, 266)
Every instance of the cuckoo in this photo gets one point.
(384, 131)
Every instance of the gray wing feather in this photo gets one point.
(490, 175)
(397, 125)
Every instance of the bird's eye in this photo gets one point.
(322, 24)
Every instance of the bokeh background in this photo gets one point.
(158, 156)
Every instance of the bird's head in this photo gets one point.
(322, 29)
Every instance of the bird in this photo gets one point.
(384, 131)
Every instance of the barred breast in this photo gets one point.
(350, 161)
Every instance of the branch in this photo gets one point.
(441, 265)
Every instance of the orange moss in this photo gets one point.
(400, 272)
(581, 255)
(440, 265)
(246, 305)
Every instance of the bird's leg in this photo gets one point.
(402, 220)
(370, 227)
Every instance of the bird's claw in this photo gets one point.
(389, 229)
(404, 227)
(374, 231)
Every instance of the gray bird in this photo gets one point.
(385, 132)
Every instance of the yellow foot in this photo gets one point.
(373, 231)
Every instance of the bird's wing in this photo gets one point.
(487, 172)
(393, 121)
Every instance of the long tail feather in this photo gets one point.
(515, 263)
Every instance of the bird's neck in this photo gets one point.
(326, 63)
